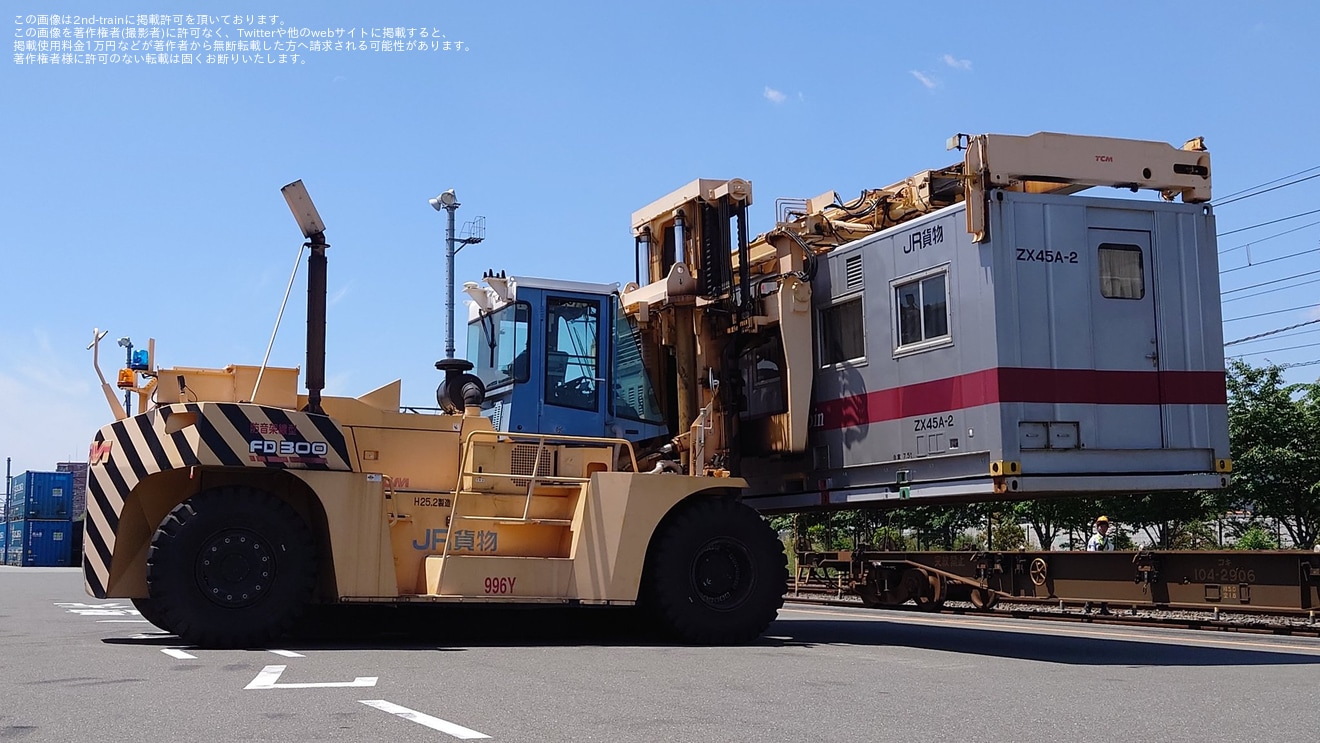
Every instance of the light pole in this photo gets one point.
(449, 202)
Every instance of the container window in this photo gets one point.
(923, 309)
(842, 333)
(1122, 275)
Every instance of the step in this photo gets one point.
(511, 507)
(517, 520)
(498, 577)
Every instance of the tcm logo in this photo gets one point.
(1104, 158)
(99, 453)
(295, 448)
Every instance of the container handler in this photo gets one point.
(233, 503)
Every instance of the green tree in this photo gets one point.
(1170, 520)
(1006, 532)
(1050, 517)
(1275, 432)
(1255, 538)
(938, 527)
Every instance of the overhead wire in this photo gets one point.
(1274, 350)
(1272, 221)
(1270, 291)
(1268, 333)
(1268, 260)
(1269, 237)
(1267, 283)
(1271, 183)
(1272, 312)
(1267, 190)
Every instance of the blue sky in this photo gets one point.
(145, 199)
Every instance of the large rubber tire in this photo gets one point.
(716, 574)
(231, 567)
(147, 608)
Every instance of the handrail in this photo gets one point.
(544, 437)
(533, 478)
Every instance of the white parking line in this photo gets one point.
(435, 723)
(124, 621)
(178, 654)
(269, 678)
(288, 654)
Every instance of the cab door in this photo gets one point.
(1126, 341)
(574, 389)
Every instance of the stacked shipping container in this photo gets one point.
(39, 531)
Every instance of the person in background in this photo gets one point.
(1100, 541)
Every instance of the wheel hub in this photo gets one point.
(235, 568)
(722, 574)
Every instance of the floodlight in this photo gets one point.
(444, 200)
(125, 342)
(303, 209)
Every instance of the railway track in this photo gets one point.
(1279, 624)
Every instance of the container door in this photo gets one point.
(1127, 388)
(575, 399)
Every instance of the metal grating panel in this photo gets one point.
(852, 268)
(523, 458)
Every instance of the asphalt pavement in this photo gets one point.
(73, 668)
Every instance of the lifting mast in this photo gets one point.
(729, 309)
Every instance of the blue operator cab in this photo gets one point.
(560, 357)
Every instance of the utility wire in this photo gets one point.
(1271, 237)
(1276, 188)
(1286, 335)
(1271, 260)
(1274, 312)
(1270, 291)
(1271, 183)
(1275, 350)
(1271, 332)
(1272, 221)
(1267, 283)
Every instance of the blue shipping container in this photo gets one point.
(4, 540)
(43, 543)
(41, 495)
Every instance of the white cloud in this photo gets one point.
(774, 96)
(339, 295)
(957, 64)
(930, 82)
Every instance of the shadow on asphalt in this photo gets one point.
(1063, 648)
(448, 628)
(453, 628)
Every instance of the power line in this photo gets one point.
(1276, 188)
(1271, 260)
(1271, 291)
(1272, 221)
(1271, 237)
(1271, 183)
(1267, 333)
(1267, 283)
(1273, 312)
(1275, 350)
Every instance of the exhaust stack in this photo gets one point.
(314, 230)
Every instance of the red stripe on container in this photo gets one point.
(1019, 385)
